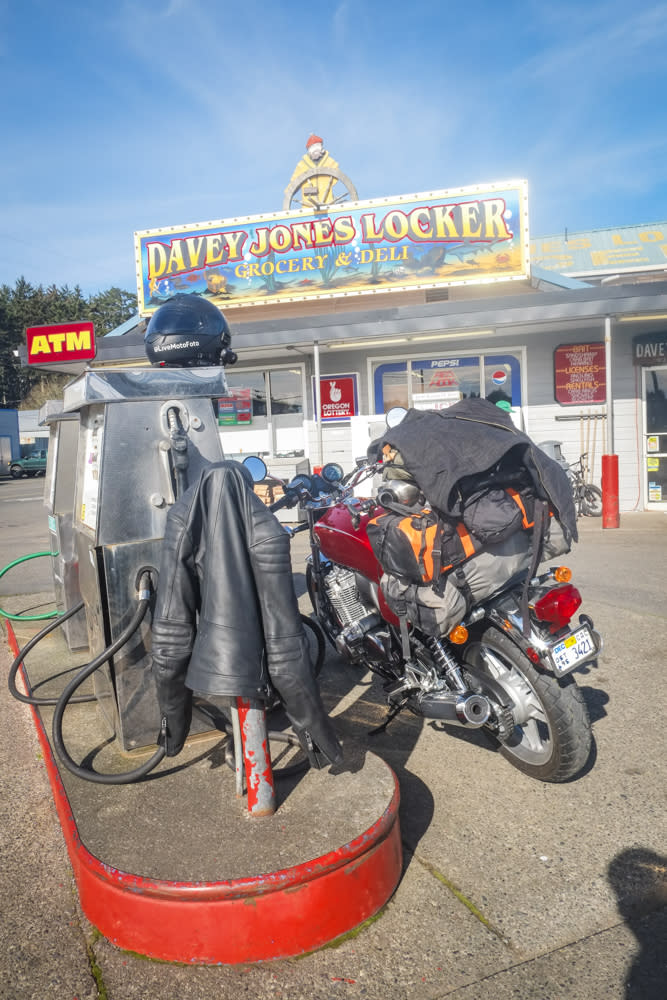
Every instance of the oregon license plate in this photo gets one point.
(574, 649)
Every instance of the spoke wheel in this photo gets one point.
(302, 193)
(591, 501)
(548, 731)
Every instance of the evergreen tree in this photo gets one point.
(26, 305)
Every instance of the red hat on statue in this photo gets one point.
(313, 139)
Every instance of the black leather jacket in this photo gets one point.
(225, 598)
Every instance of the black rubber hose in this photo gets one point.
(30, 699)
(126, 777)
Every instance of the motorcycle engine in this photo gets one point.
(363, 635)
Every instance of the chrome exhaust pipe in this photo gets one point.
(471, 710)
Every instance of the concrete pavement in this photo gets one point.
(511, 888)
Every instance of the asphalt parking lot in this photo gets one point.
(510, 888)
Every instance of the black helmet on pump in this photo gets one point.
(188, 331)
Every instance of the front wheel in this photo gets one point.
(16, 471)
(545, 730)
(316, 642)
(591, 501)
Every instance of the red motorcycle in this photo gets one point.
(489, 672)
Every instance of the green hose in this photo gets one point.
(26, 618)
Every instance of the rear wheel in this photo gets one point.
(591, 501)
(545, 729)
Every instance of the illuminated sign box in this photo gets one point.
(62, 342)
(463, 236)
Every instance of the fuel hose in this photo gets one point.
(125, 777)
(67, 696)
(30, 699)
(25, 618)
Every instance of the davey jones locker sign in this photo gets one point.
(467, 235)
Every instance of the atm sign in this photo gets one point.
(64, 342)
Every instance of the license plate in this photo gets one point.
(574, 649)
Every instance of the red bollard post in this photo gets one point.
(610, 515)
(256, 757)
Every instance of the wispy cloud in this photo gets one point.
(138, 115)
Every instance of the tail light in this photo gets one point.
(557, 606)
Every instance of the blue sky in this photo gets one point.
(139, 114)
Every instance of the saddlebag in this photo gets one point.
(420, 547)
(437, 611)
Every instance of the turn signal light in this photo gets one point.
(557, 606)
(459, 635)
(562, 574)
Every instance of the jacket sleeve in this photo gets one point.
(288, 658)
(174, 628)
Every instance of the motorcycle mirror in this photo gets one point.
(394, 416)
(332, 472)
(256, 466)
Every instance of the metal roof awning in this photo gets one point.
(537, 311)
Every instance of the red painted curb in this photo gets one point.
(275, 915)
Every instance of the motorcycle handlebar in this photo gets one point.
(288, 500)
(320, 492)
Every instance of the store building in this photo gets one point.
(337, 315)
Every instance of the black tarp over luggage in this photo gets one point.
(447, 452)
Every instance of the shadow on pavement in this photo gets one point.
(639, 878)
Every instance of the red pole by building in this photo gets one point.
(610, 514)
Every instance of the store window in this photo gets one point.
(433, 383)
(273, 427)
(256, 382)
(286, 391)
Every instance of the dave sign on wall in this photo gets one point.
(338, 397)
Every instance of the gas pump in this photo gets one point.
(143, 436)
(59, 503)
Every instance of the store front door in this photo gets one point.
(655, 436)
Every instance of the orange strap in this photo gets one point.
(516, 496)
(421, 541)
(466, 540)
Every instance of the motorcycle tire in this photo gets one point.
(551, 739)
(591, 501)
(316, 642)
(325, 627)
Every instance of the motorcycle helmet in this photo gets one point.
(188, 331)
(403, 491)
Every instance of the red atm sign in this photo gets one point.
(64, 342)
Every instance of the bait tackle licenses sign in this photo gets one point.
(463, 236)
(580, 374)
(64, 342)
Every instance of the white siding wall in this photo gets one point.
(581, 434)
(344, 442)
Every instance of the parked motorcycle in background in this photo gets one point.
(506, 667)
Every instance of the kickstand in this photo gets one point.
(391, 714)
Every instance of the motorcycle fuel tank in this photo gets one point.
(343, 539)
